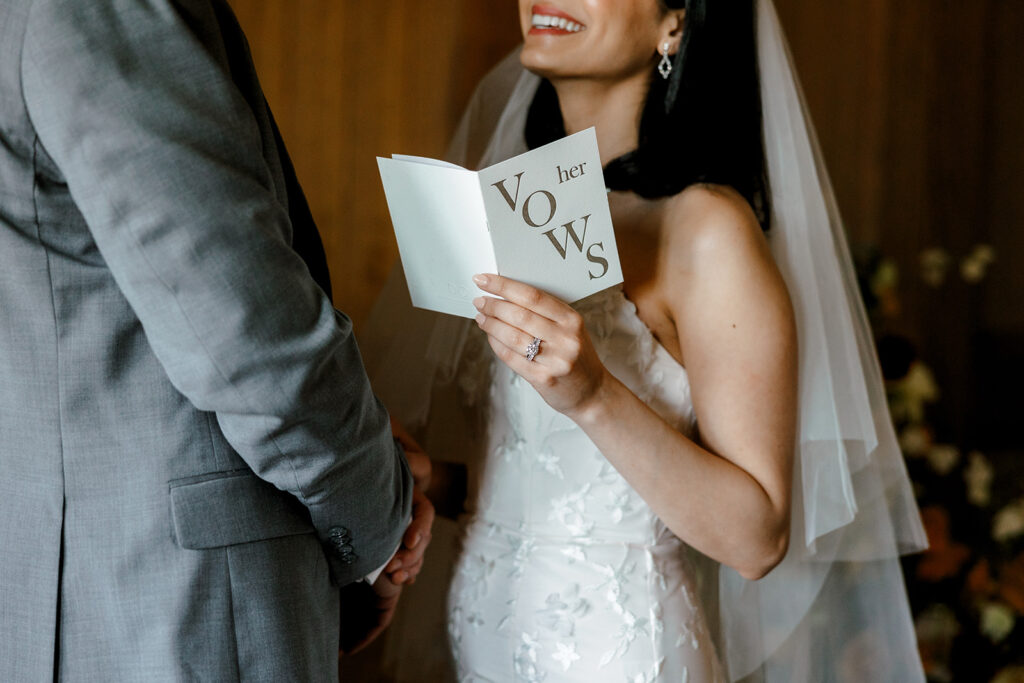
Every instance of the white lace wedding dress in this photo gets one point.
(565, 573)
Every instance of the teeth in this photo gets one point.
(547, 21)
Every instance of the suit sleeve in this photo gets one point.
(163, 158)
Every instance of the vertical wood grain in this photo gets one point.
(349, 82)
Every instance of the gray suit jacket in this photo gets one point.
(191, 458)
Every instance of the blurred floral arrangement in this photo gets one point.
(967, 589)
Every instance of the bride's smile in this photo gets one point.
(591, 39)
(548, 20)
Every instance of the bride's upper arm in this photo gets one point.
(737, 334)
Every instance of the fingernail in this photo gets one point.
(416, 541)
(479, 302)
(396, 565)
(480, 279)
(400, 577)
(480, 318)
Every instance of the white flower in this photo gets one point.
(972, 270)
(934, 264)
(997, 621)
(885, 278)
(978, 477)
(937, 623)
(943, 458)
(914, 440)
(919, 387)
(984, 252)
(622, 503)
(550, 462)
(570, 511)
(1009, 522)
(575, 553)
(975, 265)
(565, 655)
(562, 610)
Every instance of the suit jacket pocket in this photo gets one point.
(228, 508)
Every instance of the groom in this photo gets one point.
(191, 459)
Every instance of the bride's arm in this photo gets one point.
(729, 496)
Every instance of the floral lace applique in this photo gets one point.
(525, 660)
(657, 621)
(631, 626)
(550, 463)
(565, 654)
(622, 503)
(520, 548)
(690, 627)
(599, 312)
(607, 475)
(561, 611)
(455, 624)
(560, 521)
(512, 448)
(570, 511)
(654, 568)
(575, 553)
(475, 572)
(630, 629)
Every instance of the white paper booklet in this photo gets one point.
(541, 217)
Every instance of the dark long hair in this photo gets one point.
(700, 125)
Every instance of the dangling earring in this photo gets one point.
(665, 65)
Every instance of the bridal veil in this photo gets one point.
(836, 608)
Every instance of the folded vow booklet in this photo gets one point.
(541, 217)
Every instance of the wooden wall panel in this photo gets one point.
(1004, 170)
(919, 106)
(349, 82)
(841, 52)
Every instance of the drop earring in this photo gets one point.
(665, 65)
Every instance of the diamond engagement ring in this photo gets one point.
(533, 349)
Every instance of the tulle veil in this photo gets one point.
(836, 608)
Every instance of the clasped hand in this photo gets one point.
(374, 606)
(408, 561)
(566, 371)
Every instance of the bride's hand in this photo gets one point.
(566, 370)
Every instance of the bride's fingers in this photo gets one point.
(513, 338)
(514, 315)
(524, 295)
(532, 371)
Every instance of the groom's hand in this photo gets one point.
(419, 463)
(368, 611)
(408, 561)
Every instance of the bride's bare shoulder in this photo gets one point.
(713, 250)
(706, 223)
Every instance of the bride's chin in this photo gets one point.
(543, 63)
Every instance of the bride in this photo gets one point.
(690, 477)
